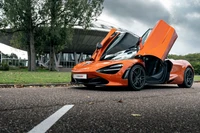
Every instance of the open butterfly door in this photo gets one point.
(159, 42)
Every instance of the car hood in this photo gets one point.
(93, 66)
(90, 66)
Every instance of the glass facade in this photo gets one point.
(68, 59)
(5, 59)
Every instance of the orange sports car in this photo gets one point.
(125, 59)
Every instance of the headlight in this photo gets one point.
(111, 69)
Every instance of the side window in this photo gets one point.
(146, 35)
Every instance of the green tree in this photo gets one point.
(194, 59)
(63, 15)
(24, 16)
(53, 18)
(13, 55)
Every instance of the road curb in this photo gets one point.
(35, 85)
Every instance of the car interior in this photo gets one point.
(157, 71)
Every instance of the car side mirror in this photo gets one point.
(98, 46)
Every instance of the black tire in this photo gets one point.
(188, 78)
(89, 85)
(137, 77)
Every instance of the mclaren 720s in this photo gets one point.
(125, 59)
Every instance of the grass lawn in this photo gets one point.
(197, 78)
(23, 76)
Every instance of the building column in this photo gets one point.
(1, 56)
(57, 61)
(80, 58)
(75, 58)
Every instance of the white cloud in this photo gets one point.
(193, 15)
(167, 4)
(138, 16)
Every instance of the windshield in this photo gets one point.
(124, 46)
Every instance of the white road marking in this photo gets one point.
(47, 123)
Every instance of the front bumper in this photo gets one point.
(91, 81)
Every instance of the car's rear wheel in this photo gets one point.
(89, 85)
(136, 77)
(188, 78)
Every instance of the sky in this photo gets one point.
(139, 15)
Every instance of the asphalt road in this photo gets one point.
(155, 109)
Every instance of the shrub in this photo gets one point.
(4, 67)
(196, 66)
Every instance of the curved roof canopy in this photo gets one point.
(83, 40)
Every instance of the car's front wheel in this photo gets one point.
(188, 78)
(136, 77)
